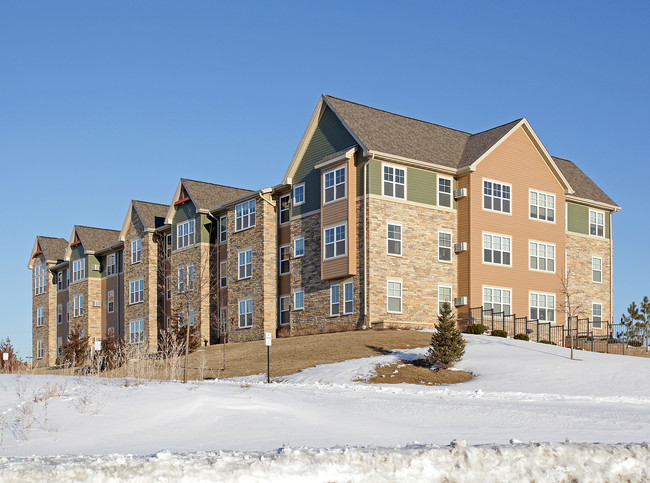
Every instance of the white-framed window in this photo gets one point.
(596, 269)
(181, 278)
(168, 245)
(59, 281)
(181, 318)
(246, 313)
(136, 291)
(67, 277)
(40, 316)
(394, 184)
(79, 270)
(334, 185)
(168, 287)
(40, 349)
(542, 206)
(496, 249)
(335, 300)
(299, 247)
(245, 215)
(597, 315)
(39, 279)
(596, 223)
(223, 274)
(348, 297)
(497, 299)
(299, 194)
(59, 314)
(285, 263)
(110, 301)
(190, 276)
(299, 300)
(444, 246)
(245, 263)
(444, 191)
(444, 296)
(496, 196)
(78, 305)
(223, 229)
(285, 209)
(136, 331)
(394, 239)
(185, 234)
(67, 311)
(285, 309)
(542, 256)
(136, 250)
(334, 241)
(111, 266)
(191, 317)
(542, 307)
(394, 296)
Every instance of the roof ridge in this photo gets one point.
(400, 115)
(215, 184)
(150, 203)
(497, 127)
(95, 228)
(50, 237)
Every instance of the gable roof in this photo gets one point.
(207, 196)
(53, 249)
(582, 184)
(95, 239)
(151, 214)
(478, 144)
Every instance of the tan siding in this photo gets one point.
(334, 213)
(463, 214)
(284, 234)
(336, 268)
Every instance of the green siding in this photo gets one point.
(374, 181)
(329, 137)
(207, 234)
(421, 186)
(77, 253)
(90, 261)
(184, 212)
(578, 219)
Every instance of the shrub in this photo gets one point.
(547, 342)
(112, 352)
(11, 364)
(499, 333)
(634, 343)
(76, 350)
(475, 329)
(447, 343)
(521, 337)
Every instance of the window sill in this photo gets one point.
(334, 258)
(244, 229)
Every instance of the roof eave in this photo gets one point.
(593, 203)
(412, 162)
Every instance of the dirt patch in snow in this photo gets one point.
(415, 372)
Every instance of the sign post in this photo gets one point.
(267, 339)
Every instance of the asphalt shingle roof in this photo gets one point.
(53, 248)
(152, 214)
(208, 196)
(582, 184)
(95, 239)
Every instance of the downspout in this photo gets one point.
(365, 240)
(611, 268)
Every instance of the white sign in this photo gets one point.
(98, 345)
(268, 338)
(5, 356)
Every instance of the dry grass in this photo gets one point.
(416, 373)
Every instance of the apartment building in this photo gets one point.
(379, 219)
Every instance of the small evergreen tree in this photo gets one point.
(447, 343)
(11, 364)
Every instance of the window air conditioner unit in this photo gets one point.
(459, 193)
(458, 301)
(460, 247)
(97, 268)
(97, 303)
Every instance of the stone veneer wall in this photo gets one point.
(418, 268)
(47, 332)
(81, 322)
(579, 250)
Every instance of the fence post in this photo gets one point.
(537, 330)
(607, 345)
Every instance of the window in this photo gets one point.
(496, 196)
(185, 234)
(348, 297)
(111, 301)
(168, 245)
(59, 281)
(136, 250)
(246, 313)
(181, 278)
(67, 311)
(40, 349)
(334, 184)
(59, 346)
(299, 194)
(335, 300)
(394, 239)
(40, 316)
(285, 209)
(284, 260)
(190, 276)
(59, 314)
(444, 246)
(497, 299)
(223, 274)
(394, 296)
(78, 269)
(110, 264)
(298, 247)
(168, 287)
(444, 297)
(136, 331)
(596, 223)
(299, 300)
(542, 257)
(394, 182)
(444, 192)
(136, 291)
(245, 215)
(223, 229)
(285, 305)
(597, 315)
(542, 206)
(245, 264)
(335, 241)
(596, 269)
(542, 307)
(67, 277)
(39, 279)
(496, 249)
(224, 315)
(191, 317)
(78, 304)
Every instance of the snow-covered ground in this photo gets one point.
(321, 425)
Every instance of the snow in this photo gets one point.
(324, 424)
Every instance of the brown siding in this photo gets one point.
(462, 258)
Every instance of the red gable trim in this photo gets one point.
(76, 241)
(184, 198)
(38, 252)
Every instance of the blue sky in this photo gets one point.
(104, 102)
